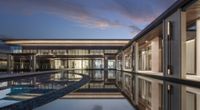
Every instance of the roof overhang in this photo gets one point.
(51, 42)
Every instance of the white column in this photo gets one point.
(123, 61)
(136, 90)
(136, 57)
(198, 47)
(155, 55)
(155, 96)
(183, 45)
(33, 63)
(198, 101)
(10, 63)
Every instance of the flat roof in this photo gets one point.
(67, 42)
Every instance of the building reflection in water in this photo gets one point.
(143, 92)
(154, 94)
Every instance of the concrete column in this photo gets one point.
(198, 47)
(136, 57)
(136, 90)
(33, 62)
(106, 62)
(155, 96)
(183, 44)
(10, 64)
(155, 55)
(183, 98)
(198, 101)
(172, 45)
(172, 96)
(105, 68)
(123, 61)
(133, 57)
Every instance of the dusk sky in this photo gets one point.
(77, 19)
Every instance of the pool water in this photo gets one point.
(87, 104)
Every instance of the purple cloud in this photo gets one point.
(67, 9)
(140, 11)
(134, 12)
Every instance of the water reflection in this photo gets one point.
(87, 104)
(144, 92)
(97, 107)
(13, 91)
(154, 94)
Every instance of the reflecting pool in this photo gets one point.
(88, 104)
(106, 90)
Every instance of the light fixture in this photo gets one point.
(169, 24)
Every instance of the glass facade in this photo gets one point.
(111, 64)
(3, 65)
(191, 28)
(128, 58)
(119, 61)
(64, 51)
(148, 51)
(145, 58)
(98, 63)
(62, 58)
(145, 92)
(16, 49)
(191, 40)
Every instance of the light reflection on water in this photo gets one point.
(3, 94)
(21, 89)
(145, 92)
(87, 104)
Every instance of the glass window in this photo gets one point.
(111, 64)
(190, 49)
(128, 85)
(145, 58)
(78, 64)
(145, 91)
(110, 51)
(111, 74)
(128, 61)
(119, 62)
(192, 39)
(127, 58)
(85, 64)
(3, 65)
(96, 52)
(16, 49)
(191, 101)
(78, 52)
(98, 64)
(98, 75)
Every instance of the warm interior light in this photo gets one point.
(168, 28)
(68, 42)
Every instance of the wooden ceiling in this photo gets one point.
(193, 12)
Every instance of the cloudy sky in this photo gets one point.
(78, 19)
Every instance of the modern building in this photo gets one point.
(4, 50)
(167, 48)
(35, 55)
